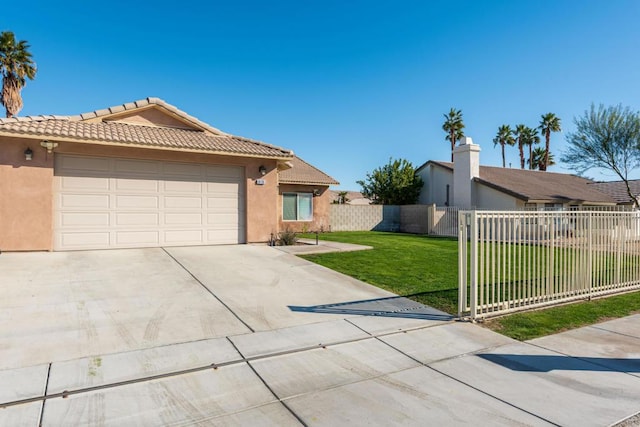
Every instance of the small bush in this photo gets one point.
(287, 238)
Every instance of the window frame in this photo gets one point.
(297, 194)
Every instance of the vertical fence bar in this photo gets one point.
(592, 245)
(462, 263)
(510, 261)
(473, 231)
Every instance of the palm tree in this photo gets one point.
(16, 66)
(531, 138)
(538, 156)
(548, 123)
(504, 137)
(521, 136)
(453, 126)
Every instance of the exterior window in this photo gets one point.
(446, 203)
(297, 206)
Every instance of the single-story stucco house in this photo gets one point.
(466, 184)
(146, 174)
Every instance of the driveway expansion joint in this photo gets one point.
(209, 290)
(214, 366)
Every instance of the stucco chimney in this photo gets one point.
(466, 166)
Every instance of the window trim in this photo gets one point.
(310, 194)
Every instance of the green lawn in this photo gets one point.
(534, 324)
(425, 269)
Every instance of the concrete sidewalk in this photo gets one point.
(310, 247)
(363, 370)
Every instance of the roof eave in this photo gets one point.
(283, 157)
(290, 182)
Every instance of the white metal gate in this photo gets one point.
(510, 261)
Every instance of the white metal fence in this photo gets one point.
(445, 221)
(510, 261)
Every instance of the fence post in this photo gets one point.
(473, 239)
(431, 218)
(589, 274)
(462, 264)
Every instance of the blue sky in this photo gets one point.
(345, 84)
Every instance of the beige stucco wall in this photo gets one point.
(321, 204)
(434, 189)
(25, 196)
(26, 189)
(488, 198)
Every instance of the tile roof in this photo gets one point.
(78, 129)
(618, 190)
(529, 185)
(303, 173)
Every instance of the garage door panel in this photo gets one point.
(136, 167)
(136, 185)
(126, 219)
(230, 188)
(79, 240)
(84, 201)
(123, 203)
(182, 202)
(186, 170)
(224, 204)
(84, 219)
(225, 220)
(137, 238)
(183, 218)
(69, 164)
(177, 237)
(224, 236)
(84, 183)
(183, 187)
(136, 202)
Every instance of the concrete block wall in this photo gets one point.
(415, 219)
(364, 218)
(407, 219)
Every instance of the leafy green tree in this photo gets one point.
(395, 183)
(548, 123)
(608, 138)
(504, 137)
(16, 65)
(453, 126)
(537, 159)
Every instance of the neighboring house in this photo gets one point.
(304, 197)
(142, 174)
(466, 184)
(618, 190)
(353, 198)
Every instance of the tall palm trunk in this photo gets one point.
(547, 137)
(452, 137)
(530, 156)
(504, 162)
(521, 149)
(11, 95)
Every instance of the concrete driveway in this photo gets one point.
(65, 305)
(249, 335)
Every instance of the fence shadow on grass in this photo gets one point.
(548, 363)
(398, 306)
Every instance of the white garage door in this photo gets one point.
(121, 203)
